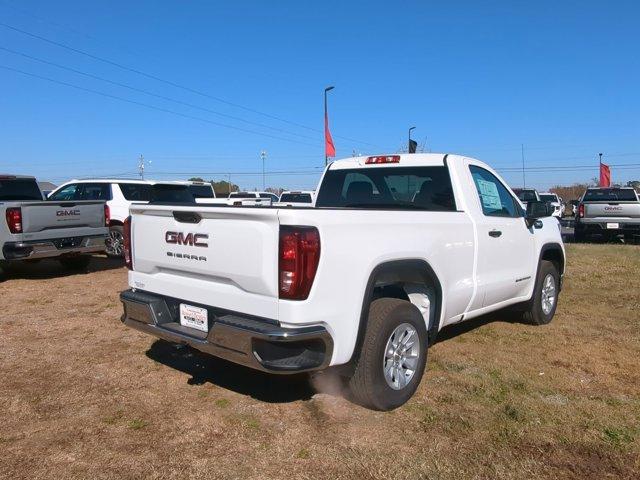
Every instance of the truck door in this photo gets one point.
(505, 267)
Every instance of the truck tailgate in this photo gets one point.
(218, 256)
(50, 216)
(621, 210)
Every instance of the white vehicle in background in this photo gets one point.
(555, 201)
(396, 248)
(296, 199)
(255, 199)
(526, 195)
(118, 194)
(201, 191)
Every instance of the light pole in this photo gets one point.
(326, 120)
(263, 155)
(409, 144)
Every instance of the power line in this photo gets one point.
(146, 92)
(153, 107)
(169, 82)
(566, 168)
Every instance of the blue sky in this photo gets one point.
(478, 78)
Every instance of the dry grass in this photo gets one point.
(81, 396)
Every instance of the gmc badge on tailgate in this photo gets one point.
(191, 239)
(67, 213)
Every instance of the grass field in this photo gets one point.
(82, 396)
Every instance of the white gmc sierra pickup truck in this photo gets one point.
(396, 248)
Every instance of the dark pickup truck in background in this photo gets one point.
(608, 212)
(32, 228)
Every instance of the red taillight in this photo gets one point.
(126, 247)
(581, 210)
(14, 219)
(107, 215)
(383, 159)
(299, 256)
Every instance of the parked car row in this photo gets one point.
(604, 212)
(88, 202)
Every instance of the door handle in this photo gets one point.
(495, 233)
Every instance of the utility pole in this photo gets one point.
(524, 180)
(409, 143)
(263, 156)
(141, 167)
(229, 184)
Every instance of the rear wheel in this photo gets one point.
(393, 356)
(76, 263)
(578, 235)
(545, 296)
(115, 242)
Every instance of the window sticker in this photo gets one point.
(489, 194)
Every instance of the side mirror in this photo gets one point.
(535, 211)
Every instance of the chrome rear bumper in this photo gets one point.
(257, 343)
(53, 248)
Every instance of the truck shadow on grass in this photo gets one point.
(48, 269)
(273, 388)
(246, 381)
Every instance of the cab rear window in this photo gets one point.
(19, 189)
(401, 188)
(610, 195)
(296, 197)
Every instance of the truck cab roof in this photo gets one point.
(396, 159)
(8, 176)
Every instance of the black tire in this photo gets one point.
(79, 263)
(579, 235)
(535, 313)
(114, 242)
(368, 385)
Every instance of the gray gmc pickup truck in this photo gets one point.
(32, 228)
(608, 212)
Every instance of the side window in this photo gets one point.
(68, 193)
(495, 199)
(135, 192)
(96, 191)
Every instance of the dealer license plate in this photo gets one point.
(613, 225)
(194, 317)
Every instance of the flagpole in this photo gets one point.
(326, 158)
(600, 171)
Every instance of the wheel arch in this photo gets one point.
(554, 253)
(388, 280)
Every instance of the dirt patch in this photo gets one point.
(82, 396)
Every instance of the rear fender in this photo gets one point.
(418, 282)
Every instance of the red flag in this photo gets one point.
(329, 148)
(605, 175)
